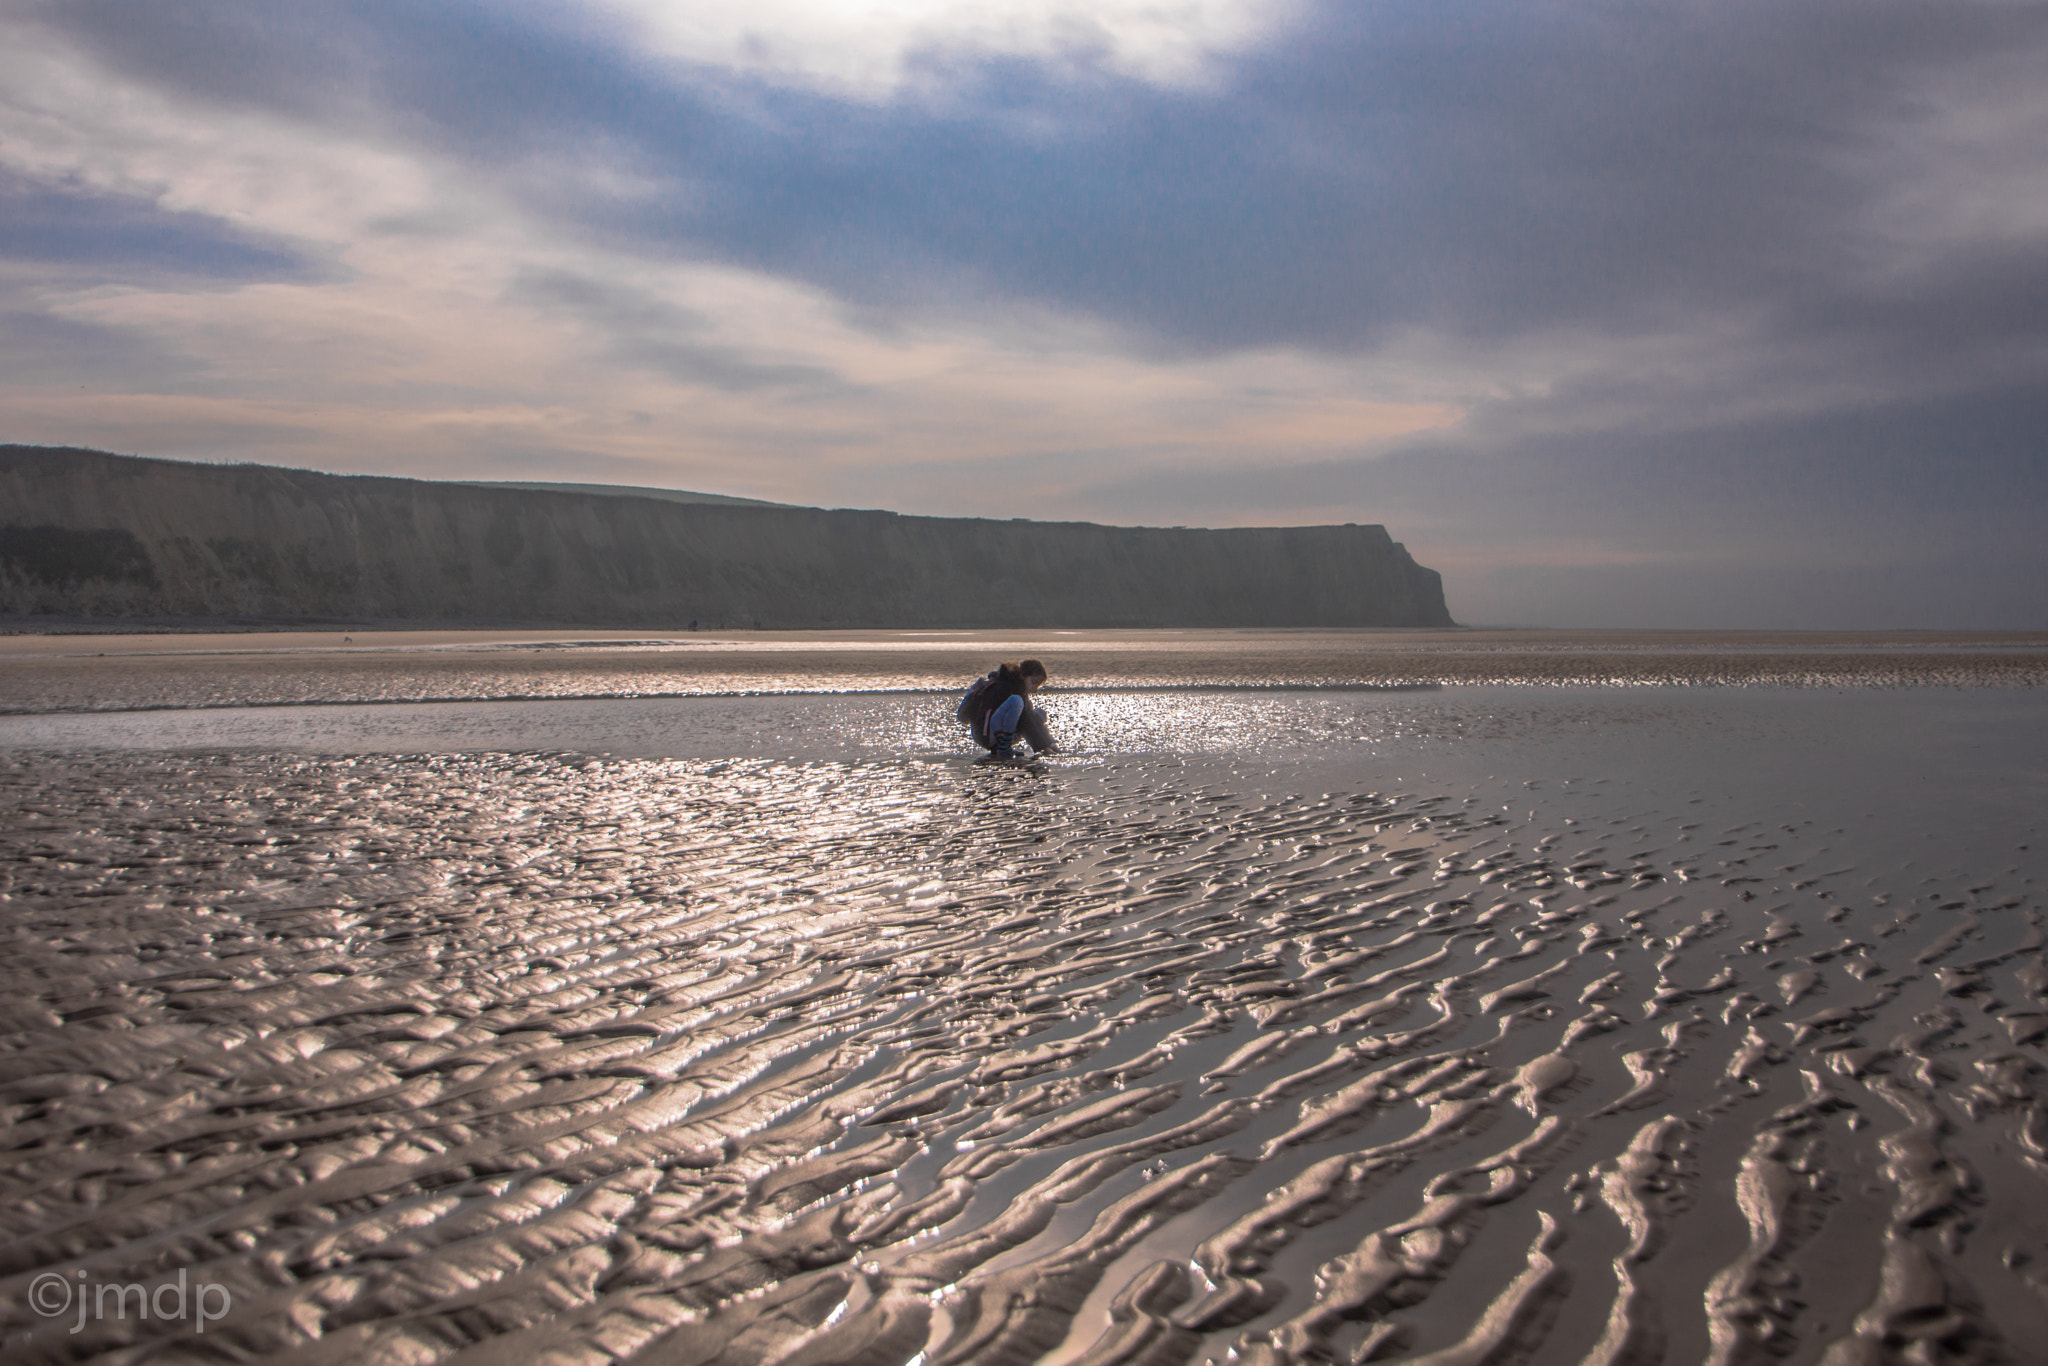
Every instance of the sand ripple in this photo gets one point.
(525, 1058)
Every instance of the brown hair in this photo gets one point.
(1017, 671)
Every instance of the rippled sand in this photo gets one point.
(1152, 1056)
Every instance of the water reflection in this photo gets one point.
(44, 674)
(861, 1059)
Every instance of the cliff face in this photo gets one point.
(86, 533)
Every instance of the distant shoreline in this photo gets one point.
(42, 674)
(407, 633)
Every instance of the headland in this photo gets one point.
(93, 536)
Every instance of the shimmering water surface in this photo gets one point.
(1471, 1023)
(109, 673)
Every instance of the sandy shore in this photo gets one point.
(1144, 1058)
(112, 673)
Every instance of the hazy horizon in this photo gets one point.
(1692, 316)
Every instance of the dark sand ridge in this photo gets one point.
(65, 673)
(506, 1058)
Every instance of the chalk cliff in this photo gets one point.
(84, 533)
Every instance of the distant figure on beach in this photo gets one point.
(997, 709)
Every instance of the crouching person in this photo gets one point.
(997, 710)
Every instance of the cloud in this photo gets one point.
(876, 52)
(60, 240)
(647, 332)
(1557, 286)
(128, 237)
(1482, 171)
(37, 348)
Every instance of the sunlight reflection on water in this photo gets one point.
(837, 726)
(709, 962)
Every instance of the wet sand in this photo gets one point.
(1622, 1025)
(127, 672)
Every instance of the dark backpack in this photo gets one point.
(971, 706)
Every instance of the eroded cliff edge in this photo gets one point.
(84, 533)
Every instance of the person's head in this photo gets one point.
(1026, 673)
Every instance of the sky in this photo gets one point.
(1685, 313)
